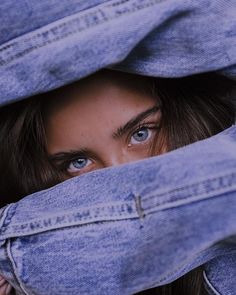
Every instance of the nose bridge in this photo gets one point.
(116, 157)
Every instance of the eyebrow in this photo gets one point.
(68, 155)
(134, 121)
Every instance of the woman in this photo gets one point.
(107, 119)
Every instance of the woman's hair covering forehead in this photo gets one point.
(47, 44)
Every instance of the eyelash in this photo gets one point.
(64, 165)
(151, 126)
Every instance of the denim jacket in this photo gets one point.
(129, 228)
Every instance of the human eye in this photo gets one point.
(141, 135)
(78, 164)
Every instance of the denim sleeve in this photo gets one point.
(129, 228)
(50, 43)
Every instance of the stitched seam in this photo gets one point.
(122, 210)
(63, 227)
(98, 17)
(193, 190)
(169, 274)
(186, 268)
(82, 216)
(188, 200)
(13, 267)
(6, 219)
(3, 212)
(194, 183)
(208, 284)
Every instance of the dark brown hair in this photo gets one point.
(193, 108)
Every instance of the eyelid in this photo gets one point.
(130, 125)
(63, 161)
(151, 120)
(79, 170)
(149, 125)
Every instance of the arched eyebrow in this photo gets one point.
(134, 121)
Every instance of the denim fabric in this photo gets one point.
(125, 229)
(132, 227)
(52, 43)
(219, 272)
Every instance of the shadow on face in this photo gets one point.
(101, 121)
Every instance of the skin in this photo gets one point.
(100, 123)
(5, 288)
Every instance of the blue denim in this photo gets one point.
(46, 44)
(129, 228)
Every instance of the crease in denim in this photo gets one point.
(59, 31)
(125, 210)
(14, 268)
(210, 187)
(114, 211)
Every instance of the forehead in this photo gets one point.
(101, 80)
(96, 106)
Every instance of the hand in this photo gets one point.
(5, 287)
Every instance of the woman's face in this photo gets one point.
(100, 123)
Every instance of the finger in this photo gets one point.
(2, 282)
(2, 279)
(8, 289)
(3, 289)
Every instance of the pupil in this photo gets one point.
(141, 135)
(80, 163)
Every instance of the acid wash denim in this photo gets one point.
(129, 228)
(49, 43)
(140, 225)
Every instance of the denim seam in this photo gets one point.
(139, 208)
(168, 275)
(13, 267)
(96, 17)
(151, 60)
(6, 217)
(188, 200)
(3, 213)
(82, 216)
(209, 285)
(179, 268)
(2, 221)
(119, 210)
(232, 173)
(119, 3)
(203, 189)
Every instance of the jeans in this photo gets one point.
(129, 228)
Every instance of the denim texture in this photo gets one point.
(132, 227)
(129, 228)
(52, 43)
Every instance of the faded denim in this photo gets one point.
(46, 44)
(124, 229)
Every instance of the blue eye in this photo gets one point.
(78, 164)
(140, 135)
